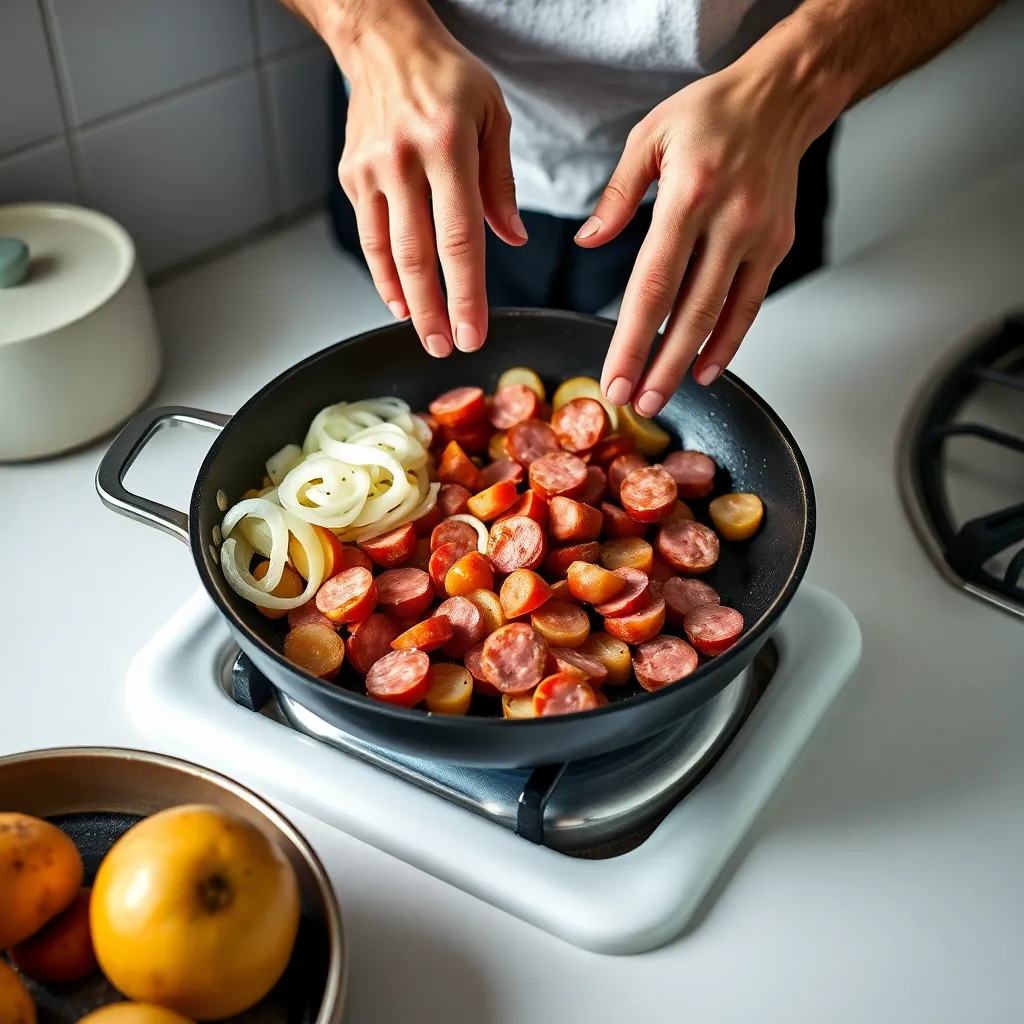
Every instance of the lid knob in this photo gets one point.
(13, 262)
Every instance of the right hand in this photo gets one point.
(427, 131)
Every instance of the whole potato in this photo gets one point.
(133, 1013)
(61, 951)
(16, 1006)
(40, 874)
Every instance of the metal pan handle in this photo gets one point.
(125, 449)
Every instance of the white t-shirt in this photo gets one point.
(578, 74)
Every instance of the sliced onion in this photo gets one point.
(235, 556)
(481, 529)
(420, 430)
(340, 490)
(282, 461)
(273, 516)
(310, 543)
(257, 535)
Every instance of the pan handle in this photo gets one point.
(125, 449)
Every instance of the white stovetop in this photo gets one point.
(883, 882)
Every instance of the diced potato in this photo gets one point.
(523, 375)
(736, 516)
(650, 439)
(585, 387)
(450, 690)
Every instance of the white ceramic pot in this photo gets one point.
(79, 351)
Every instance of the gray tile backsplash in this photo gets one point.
(193, 122)
(30, 109)
(297, 87)
(188, 174)
(116, 54)
(279, 29)
(42, 173)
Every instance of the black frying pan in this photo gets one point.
(727, 420)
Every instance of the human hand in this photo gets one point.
(725, 151)
(426, 160)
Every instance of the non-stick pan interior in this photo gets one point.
(727, 421)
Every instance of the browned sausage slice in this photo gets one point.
(635, 595)
(404, 593)
(693, 472)
(512, 404)
(688, 546)
(648, 494)
(467, 622)
(683, 594)
(400, 677)
(580, 424)
(663, 660)
(558, 473)
(620, 468)
(370, 641)
(713, 628)
(458, 407)
(513, 658)
(529, 440)
(516, 543)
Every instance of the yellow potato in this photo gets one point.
(523, 375)
(195, 909)
(736, 516)
(490, 608)
(450, 690)
(518, 705)
(650, 439)
(133, 1013)
(613, 654)
(585, 387)
(16, 1006)
(40, 874)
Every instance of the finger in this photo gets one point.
(650, 294)
(497, 186)
(412, 248)
(372, 222)
(744, 302)
(459, 224)
(694, 317)
(624, 192)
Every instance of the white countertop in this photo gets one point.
(883, 882)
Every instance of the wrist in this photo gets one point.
(792, 66)
(356, 30)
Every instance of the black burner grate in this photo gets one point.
(970, 550)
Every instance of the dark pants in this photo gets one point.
(551, 271)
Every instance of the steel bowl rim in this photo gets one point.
(332, 1004)
(753, 635)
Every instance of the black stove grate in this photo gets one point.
(971, 550)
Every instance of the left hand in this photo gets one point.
(725, 151)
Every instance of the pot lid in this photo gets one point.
(58, 263)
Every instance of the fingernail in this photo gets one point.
(515, 222)
(590, 226)
(438, 345)
(708, 374)
(650, 403)
(618, 391)
(467, 338)
(398, 310)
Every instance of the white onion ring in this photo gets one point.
(282, 461)
(273, 516)
(341, 497)
(235, 556)
(481, 529)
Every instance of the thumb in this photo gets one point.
(622, 195)
(497, 186)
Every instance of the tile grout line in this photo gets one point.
(272, 153)
(29, 148)
(64, 99)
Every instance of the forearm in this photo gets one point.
(836, 52)
(345, 24)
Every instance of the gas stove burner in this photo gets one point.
(599, 807)
(961, 468)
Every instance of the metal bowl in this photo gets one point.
(95, 794)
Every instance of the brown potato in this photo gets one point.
(40, 874)
(61, 951)
(16, 1006)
